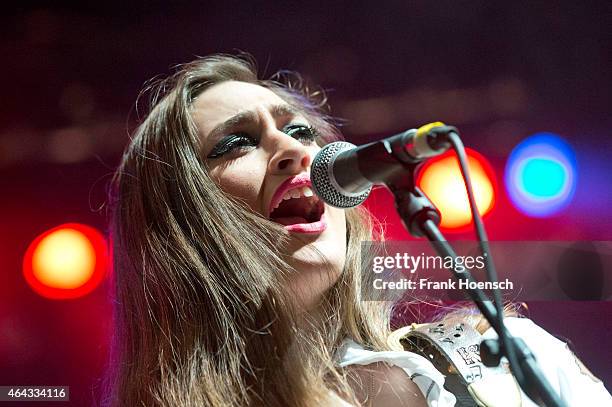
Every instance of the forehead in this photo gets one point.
(224, 100)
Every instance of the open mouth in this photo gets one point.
(298, 206)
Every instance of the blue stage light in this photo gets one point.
(541, 175)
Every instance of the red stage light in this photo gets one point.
(68, 261)
(440, 179)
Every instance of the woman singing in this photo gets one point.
(234, 284)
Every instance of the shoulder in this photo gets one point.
(393, 377)
(534, 335)
(564, 371)
(381, 384)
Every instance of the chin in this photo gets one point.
(320, 255)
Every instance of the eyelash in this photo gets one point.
(238, 141)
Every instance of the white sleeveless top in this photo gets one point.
(575, 385)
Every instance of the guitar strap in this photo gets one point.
(453, 347)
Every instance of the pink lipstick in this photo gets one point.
(295, 206)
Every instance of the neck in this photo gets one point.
(309, 331)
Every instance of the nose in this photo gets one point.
(290, 156)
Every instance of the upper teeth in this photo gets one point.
(295, 193)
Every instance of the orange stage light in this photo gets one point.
(440, 179)
(68, 261)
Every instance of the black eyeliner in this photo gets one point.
(310, 131)
(226, 145)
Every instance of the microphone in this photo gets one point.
(342, 174)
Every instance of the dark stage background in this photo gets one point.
(500, 71)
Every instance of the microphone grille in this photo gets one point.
(323, 182)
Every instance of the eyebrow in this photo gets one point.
(249, 116)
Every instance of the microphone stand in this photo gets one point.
(421, 218)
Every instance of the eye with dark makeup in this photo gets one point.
(235, 142)
(301, 132)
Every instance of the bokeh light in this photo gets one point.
(68, 261)
(541, 175)
(441, 180)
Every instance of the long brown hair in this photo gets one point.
(200, 312)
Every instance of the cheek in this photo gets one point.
(242, 183)
(337, 219)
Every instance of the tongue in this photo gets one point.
(291, 220)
